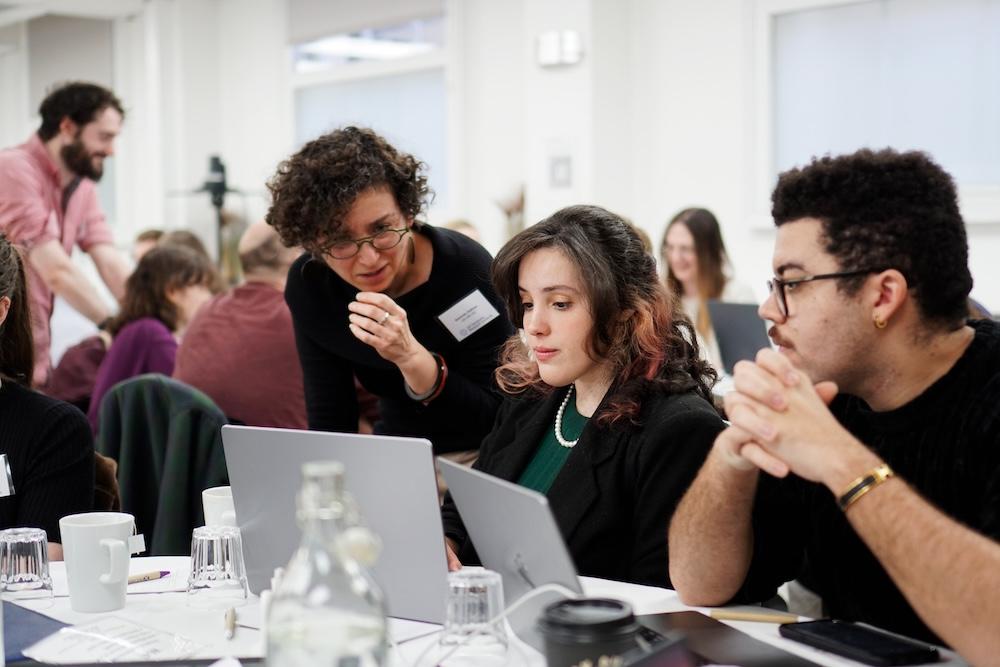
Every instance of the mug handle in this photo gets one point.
(118, 556)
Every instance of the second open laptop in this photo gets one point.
(739, 331)
(515, 534)
(391, 478)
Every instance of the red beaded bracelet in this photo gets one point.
(438, 386)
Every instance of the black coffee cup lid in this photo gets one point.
(587, 619)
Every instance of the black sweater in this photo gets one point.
(331, 356)
(946, 445)
(51, 454)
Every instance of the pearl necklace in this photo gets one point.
(559, 416)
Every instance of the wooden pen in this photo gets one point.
(755, 616)
(147, 576)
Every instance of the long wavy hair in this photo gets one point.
(161, 270)
(634, 324)
(17, 350)
(713, 260)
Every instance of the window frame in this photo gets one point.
(980, 204)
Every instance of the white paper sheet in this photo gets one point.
(178, 566)
(111, 639)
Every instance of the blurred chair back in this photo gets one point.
(166, 438)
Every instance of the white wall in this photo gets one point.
(486, 74)
(218, 72)
(662, 113)
(14, 112)
(50, 63)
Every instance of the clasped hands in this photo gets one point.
(780, 422)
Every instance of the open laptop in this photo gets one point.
(391, 478)
(516, 535)
(739, 331)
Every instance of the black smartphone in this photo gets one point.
(860, 643)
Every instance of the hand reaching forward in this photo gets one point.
(450, 550)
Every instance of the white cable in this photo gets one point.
(546, 588)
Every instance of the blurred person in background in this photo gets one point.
(184, 238)
(162, 296)
(144, 242)
(252, 321)
(698, 270)
(49, 205)
(464, 227)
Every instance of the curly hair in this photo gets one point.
(77, 100)
(17, 350)
(313, 190)
(161, 270)
(634, 324)
(887, 210)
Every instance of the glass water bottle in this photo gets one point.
(327, 610)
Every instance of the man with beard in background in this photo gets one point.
(49, 203)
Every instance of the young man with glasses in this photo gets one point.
(876, 421)
(405, 307)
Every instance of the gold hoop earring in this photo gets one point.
(879, 322)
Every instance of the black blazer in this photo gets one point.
(615, 494)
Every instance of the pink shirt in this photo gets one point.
(31, 213)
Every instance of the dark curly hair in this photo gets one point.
(313, 190)
(648, 349)
(887, 210)
(78, 100)
(162, 269)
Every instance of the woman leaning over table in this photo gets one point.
(607, 409)
(405, 307)
(48, 443)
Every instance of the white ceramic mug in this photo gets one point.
(96, 551)
(219, 508)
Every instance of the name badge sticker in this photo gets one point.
(6, 480)
(469, 315)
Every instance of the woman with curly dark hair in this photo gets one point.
(168, 286)
(608, 410)
(405, 307)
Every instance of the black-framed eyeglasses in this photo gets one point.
(387, 239)
(777, 285)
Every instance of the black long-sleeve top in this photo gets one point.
(331, 356)
(50, 451)
(945, 443)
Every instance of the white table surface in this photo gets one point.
(161, 604)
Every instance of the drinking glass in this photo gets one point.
(218, 578)
(24, 564)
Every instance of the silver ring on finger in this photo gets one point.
(385, 318)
